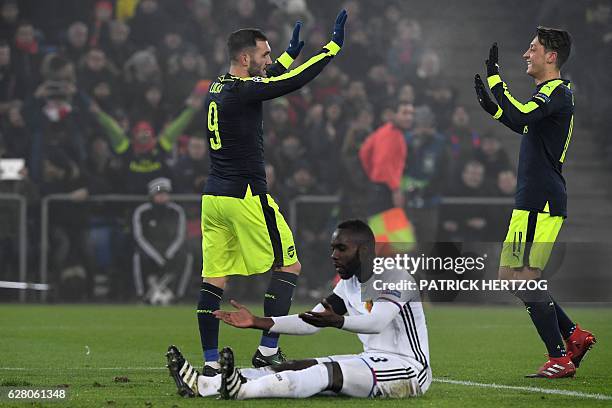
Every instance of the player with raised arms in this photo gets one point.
(243, 231)
(391, 325)
(545, 122)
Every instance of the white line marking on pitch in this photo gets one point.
(528, 389)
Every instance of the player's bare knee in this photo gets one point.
(505, 273)
(524, 273)
(295, 268)
(334, 373)
(219, 282)
(528, 273)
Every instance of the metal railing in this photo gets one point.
(334, 199)
(44, 218)
(23, 234)
(293, 216)
(307, 199)
(477, 201)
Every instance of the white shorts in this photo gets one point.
(370, 375)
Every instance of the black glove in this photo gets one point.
(483, 96)
(295, 45)
(338, 34)
(492, 62)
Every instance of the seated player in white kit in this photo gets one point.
(391, 326)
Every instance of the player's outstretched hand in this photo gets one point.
(338, 33)
(242, 318)
(492, 62)
(327, 318)
(483, 96)
(295, 45)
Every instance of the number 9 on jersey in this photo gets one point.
(213, 125)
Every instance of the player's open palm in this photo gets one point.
(242, 318)
(326, 318)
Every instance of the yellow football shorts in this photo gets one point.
(530, 239)
(244, 236)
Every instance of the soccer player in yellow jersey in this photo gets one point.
(545, 123)
(243, 232)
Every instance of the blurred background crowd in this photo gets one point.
(104, 97)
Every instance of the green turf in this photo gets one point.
(480, 344)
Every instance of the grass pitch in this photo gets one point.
(113, 356)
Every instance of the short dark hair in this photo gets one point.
(557, 40)
(58, 62)
(52, 66)
(241, 39)
(361, 232)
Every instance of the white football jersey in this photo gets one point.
(405, 336)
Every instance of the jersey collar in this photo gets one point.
(566, 82)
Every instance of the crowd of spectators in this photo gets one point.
(105, 97)
(590, 23)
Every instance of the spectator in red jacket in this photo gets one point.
(383, 157)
